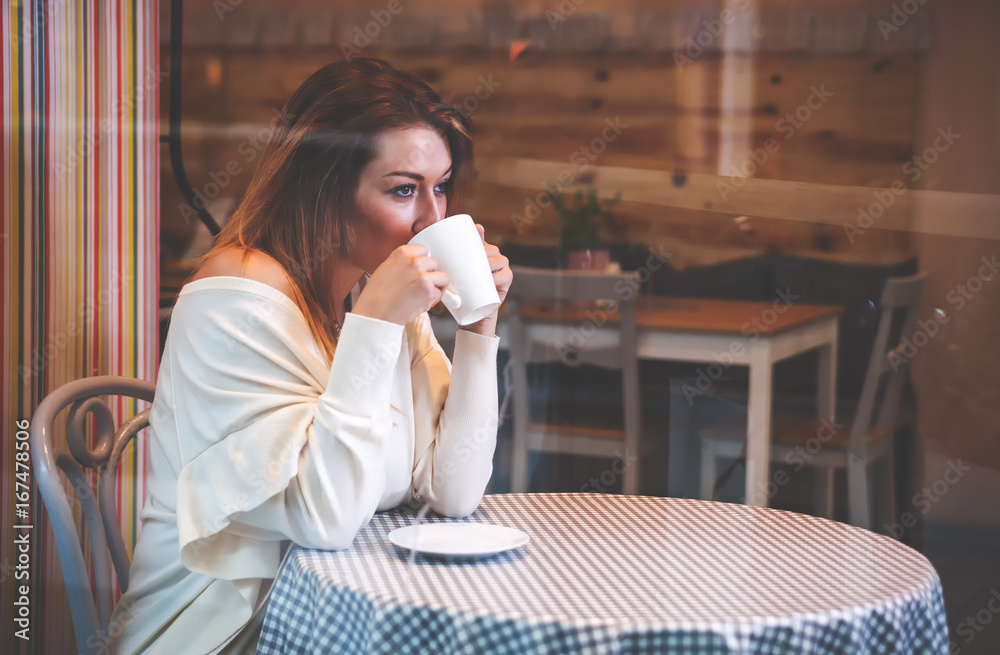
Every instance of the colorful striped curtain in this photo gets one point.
(78, 249)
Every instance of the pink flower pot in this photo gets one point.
(588, 260)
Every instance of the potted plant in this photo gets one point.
(580, 228)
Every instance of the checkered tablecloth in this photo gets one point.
(615, 574)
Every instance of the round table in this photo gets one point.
(615, 574)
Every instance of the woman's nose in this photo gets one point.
(429, 212)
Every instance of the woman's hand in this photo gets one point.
(404, 286)
(499, 265)
(502, 278)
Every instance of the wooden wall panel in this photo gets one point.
(549, 106)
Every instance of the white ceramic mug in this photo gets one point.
(456, 245)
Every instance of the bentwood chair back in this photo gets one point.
(876, 419)
(574, 342)
(91, 610)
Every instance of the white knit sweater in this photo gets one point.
(255, 440)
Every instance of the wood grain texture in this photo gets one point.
(698, 315)
(555, 108)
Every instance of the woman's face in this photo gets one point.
(400, 192)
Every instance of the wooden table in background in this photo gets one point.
(721, 332)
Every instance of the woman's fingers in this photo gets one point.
(414, 250)
(419, 257)
(406, 284)
(498, 262)
(502, 275)
(426, 264)
(437, 278)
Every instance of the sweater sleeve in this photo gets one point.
(455, 420)
(275, 453)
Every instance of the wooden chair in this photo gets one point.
(91, 610)
(867, 439)
(572, 340)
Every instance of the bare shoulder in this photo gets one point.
(258, 266)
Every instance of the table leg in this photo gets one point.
(826, 383)
(759, 425)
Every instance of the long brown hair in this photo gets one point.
(298, 206)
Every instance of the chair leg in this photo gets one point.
(630, 479)
(522, 414)
(519, 446)
(857, 492)
(707, 468)
(824, 491)
(633, 433)
(890, 491)
(518, 465)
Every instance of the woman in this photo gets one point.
(279, 417)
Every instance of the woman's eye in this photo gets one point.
(403, 191)
(442, 188)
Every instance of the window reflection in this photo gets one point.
(763, 151)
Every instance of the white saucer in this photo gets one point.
(458, 540)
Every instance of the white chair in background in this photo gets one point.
(573, 341)
(870, 434)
